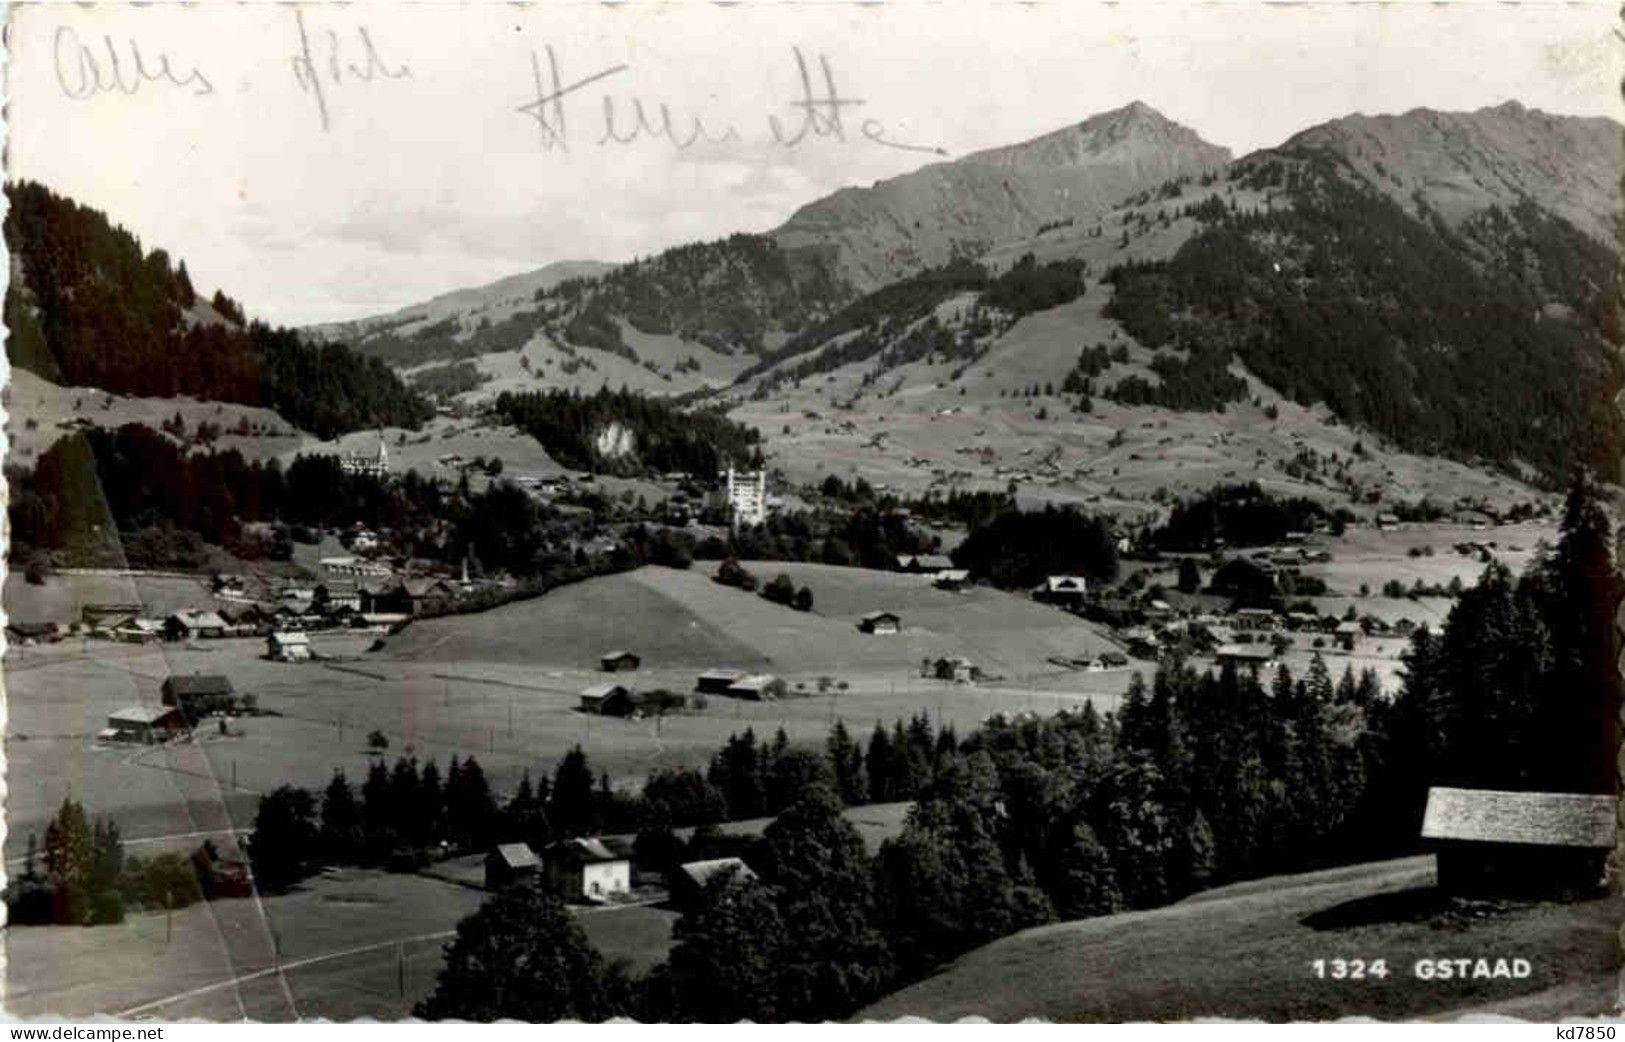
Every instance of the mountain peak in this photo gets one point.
(1122, 133)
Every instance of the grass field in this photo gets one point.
(1245, 952)
(504, 686)
(62, 598)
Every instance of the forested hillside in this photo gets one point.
(87, 307)
(626, 433)
(1488, 344)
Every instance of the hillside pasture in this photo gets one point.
(64, 596)
(1247, 953)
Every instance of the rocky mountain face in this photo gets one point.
(966, 207)
(1464, 162)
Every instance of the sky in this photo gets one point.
(327, 162)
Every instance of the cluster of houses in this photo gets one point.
(184, 699)
(598, 870)
(341, 602)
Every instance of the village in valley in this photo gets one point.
(1098, 577)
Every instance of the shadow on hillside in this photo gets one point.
(1426, 904)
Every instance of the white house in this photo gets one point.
(587, 869)
(285, 646)
(373, 466)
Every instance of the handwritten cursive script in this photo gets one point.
(820, 112)
(314, 78)
(82, 73)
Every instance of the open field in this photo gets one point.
(124, 968)
(1245, 952)
(504, 686)
(63, 597)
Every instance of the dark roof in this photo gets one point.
(1559, 819)
(200, 684)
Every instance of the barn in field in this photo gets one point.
(609, 700)
(510, 863)
(619, 661)
(194, 625)
(146, 724)
(199, 695)
(881, 622)
(758, 687)
(718, 681)
(1491, 843)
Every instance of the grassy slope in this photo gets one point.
(1243, 952)
(684, 619)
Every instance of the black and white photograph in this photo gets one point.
(813, 512)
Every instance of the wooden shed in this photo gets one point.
(1492, 843)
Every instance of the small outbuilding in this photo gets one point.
(1260, 656)
(757, 687)
(688, 880)
(510, 863)
(194, 625)
(199, 695)
(146, 724)
(718, 681)
(139, 630)
(1491, 843)
(609, 700)
(881, 622)
(619, 661)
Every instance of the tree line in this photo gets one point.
(1239, 515)
(1343, 297)
(91, 309)
(161, 500)
(662, 436)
